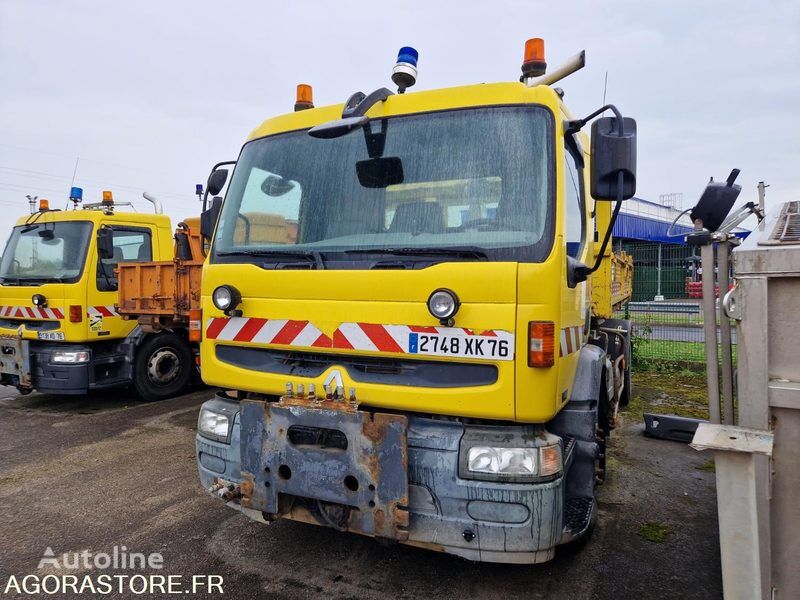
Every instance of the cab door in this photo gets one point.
(131, 243)
(575, 303)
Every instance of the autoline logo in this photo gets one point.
(119, 558)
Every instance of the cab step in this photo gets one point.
(578, 516)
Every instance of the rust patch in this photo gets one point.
(320, 402)
(246, 489)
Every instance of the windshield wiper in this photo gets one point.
(39, 280)
(307, 255)
(460, 251)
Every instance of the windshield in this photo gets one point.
(43, 252)
(472, 182)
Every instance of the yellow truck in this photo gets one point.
(61, 330)
(408, 303)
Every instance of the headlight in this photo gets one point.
(213, 425)
(513, 464)
(507, 461)
(443, 304)
(70, 357)
(226, 298)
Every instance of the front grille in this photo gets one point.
(32, 325)
(361, 369)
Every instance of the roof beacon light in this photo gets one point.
(534, 64)
(108, 197)
(76, 194)
(404, 73)
(305, 97)
(44, 204)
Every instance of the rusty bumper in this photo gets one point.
(338, 465)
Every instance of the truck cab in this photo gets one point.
(60, 331)
(398, 294)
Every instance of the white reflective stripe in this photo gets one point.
(356, 336)
(563, 342)
(268, 332)
(399, 334)
(232, 327)
(307, 336)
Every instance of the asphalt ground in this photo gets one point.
(91, 473)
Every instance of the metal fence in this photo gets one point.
(666, 308)
(663, 271)
(669, 332)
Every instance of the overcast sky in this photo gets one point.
(149, 94)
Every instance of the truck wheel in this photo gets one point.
(162, 367)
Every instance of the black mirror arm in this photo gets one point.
(578, 124)
(358, 104)
(214, 168)
(599, 260)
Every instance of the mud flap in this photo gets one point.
(368, 473)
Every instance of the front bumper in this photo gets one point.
(478, 520)
(35, 368)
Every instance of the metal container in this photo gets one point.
(766, 300)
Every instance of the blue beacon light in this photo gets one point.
(404, 74)
(76, 194)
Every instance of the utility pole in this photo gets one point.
(762, 192)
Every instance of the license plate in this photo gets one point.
(50, 335)
(496, 347)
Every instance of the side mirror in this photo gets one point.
(105, 243)
(216, 181)
(613, 154)
(208, 218)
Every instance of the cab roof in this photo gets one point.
(484, 94)
(95, 216)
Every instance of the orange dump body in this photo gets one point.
(161, 293)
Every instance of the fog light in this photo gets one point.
(39, 300)
(213, 425)
(502, 461)
(70, 357)
(226, 298)
(443, 304)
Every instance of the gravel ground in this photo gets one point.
(91, 473)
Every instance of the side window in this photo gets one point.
(130, 245)
(575, 204)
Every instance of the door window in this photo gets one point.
(130, 245)
(575, 204)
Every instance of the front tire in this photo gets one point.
(162, 367)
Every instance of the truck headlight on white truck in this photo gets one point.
(213, 425)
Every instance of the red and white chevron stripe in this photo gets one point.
(267, 331)
(102, 311)
(348, 336)
(30, 312)
(571, 339)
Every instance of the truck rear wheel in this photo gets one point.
(162, 367)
